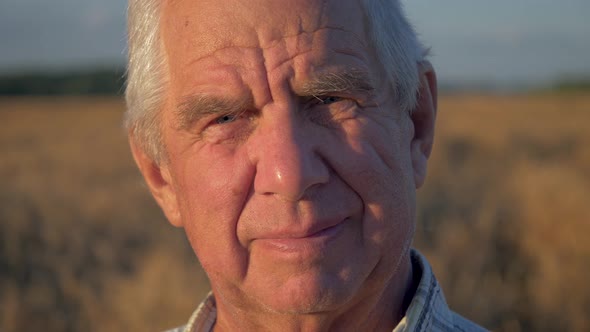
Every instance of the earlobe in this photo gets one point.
(423, 118)
(160, 183)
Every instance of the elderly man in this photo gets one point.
(288, 139)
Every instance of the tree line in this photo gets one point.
(112, 82)
(74, 82)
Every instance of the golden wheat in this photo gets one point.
(503, 218)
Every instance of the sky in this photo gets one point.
(502, 42)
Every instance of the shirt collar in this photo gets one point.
(428, 306)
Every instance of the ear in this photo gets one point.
(159, 182)
(423, 118)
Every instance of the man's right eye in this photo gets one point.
(226, 119)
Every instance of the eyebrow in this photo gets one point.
(195, 107)
(352, 81)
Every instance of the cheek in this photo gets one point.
(376, 164)
(214, 180)
(376, 157)
(215, 184)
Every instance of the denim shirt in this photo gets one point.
(428, 310)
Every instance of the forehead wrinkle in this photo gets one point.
(274, 42)
(352, 52)
(284, 20)
(301, 47)
(286, 60)
(303, 43)
(215, 52)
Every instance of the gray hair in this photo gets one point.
(395, 42)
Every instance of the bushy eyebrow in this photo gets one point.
(352, 81)
(195, 107)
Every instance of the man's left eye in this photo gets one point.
(326, 100)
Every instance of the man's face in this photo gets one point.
(289, 165)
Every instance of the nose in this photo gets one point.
(285, 151)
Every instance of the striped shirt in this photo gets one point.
(428, 310)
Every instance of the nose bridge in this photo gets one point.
(285, 153)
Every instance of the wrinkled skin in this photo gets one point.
(298, 202)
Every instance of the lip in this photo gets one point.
(310, 241)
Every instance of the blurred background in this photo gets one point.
(504, 216)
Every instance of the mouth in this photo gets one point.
(312, 241)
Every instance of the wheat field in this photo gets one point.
(504, 218)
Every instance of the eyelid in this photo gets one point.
(235, 114)
(319, 100)
(323, 98)
(230, 132)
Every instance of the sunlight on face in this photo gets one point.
(290, 163)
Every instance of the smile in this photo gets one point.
(312, 243)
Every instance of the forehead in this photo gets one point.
(206, 26)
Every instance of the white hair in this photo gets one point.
(395, 42)
(147, 76)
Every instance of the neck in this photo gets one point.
(377, 309)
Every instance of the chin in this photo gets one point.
(310, 295)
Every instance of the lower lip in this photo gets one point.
(313, 243)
